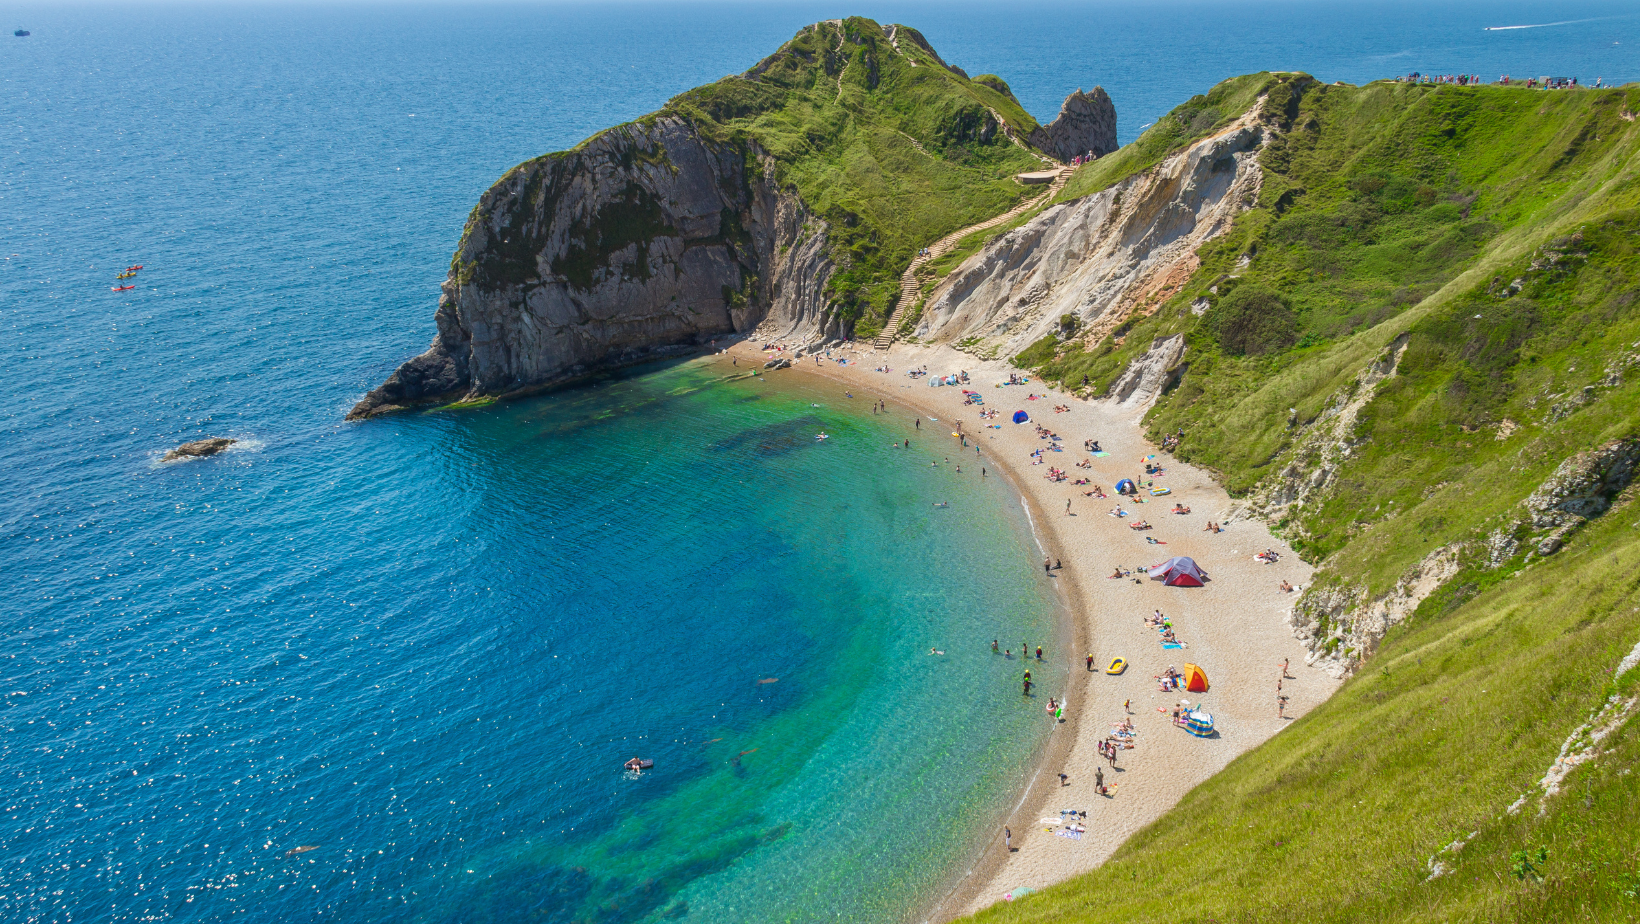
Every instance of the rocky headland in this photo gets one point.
(702, 221)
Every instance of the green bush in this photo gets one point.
(1253, 320)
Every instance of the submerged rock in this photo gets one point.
(199, 449)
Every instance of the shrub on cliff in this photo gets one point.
(1254, 320)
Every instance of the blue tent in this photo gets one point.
(1125, 486)
(1021, 417)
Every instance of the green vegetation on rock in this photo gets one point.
(893, 148)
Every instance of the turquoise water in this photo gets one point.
(423, 646)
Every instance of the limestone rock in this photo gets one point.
(1146, 376)
(1583, 486)
(199, 449)
(1086, 122)
(648, 240)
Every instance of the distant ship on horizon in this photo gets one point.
(20, 33)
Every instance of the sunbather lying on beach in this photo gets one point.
(1180, 508)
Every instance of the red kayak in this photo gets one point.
(120, 288)
(132, 269)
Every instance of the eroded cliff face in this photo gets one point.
(1102, 257)
(646, 240)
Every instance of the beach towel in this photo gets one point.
(1100, 455)
(1171, 645)
(1017, 893)
(1073, 835)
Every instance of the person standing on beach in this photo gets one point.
(1099, 778)
(1067, 506)
(1284, 663)
(1047, 567)
(1008, 838)
(1039, 652)
(1090, 661)
(919, 423)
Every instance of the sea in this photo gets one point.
(391, 671)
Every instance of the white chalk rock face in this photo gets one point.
(645, 241)
(1101, 257)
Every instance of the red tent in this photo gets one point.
(1179, 572)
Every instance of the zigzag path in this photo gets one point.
(909, 284)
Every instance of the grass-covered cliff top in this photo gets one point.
(1490, 238)
(881, 138)
(892, 147)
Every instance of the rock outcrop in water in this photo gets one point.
(1086, 122)
(198, 449)
(645, 241)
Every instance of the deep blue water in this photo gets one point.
(424, 645)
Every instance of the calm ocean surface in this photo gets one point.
(424, 645)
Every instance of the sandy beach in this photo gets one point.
(1235, 628)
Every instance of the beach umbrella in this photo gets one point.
(1021, 417)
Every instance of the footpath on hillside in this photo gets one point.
(911, 286)
(1235, 628)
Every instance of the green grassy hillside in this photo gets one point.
(891, 146)
(1482, 247)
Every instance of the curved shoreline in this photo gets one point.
(1236, 627)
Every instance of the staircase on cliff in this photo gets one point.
(910, 285)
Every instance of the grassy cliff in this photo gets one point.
(882, 139)
(1432, 310)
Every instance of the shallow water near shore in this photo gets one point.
(423, 646)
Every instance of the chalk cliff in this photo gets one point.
(1102, 257)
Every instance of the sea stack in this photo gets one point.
(1086, 122)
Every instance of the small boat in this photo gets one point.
(125, 275)
(21, 33)
(1117, 665)
(132, 269)
(1158, 492)
(120, 288)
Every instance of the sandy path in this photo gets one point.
(1235, 628)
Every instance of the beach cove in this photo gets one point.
(1235, 627)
